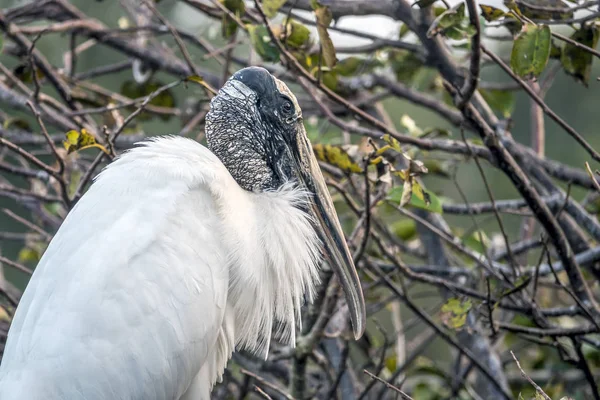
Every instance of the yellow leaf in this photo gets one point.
(407, 192)
(200, 81)
(454, 312)
(336, 156)
(418, 191)
(196, 78)
(401, 174)
(324, 18)
(393, 142)
(390, 363)
(72, 138)
(4, 315)
(80, 141)
(491, 13)
(28, 255)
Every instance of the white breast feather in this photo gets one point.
(275, 262)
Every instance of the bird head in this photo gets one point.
(255, 128)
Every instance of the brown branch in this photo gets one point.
(547, 110)
(40, 60)
(535, 385)
(267, 383)
(471, 83)
(28, 224)
(507, 163)
(15, 265)
(388, 385)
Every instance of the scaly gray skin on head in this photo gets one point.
(246, 128)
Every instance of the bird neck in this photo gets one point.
(239, 144)
(274, 267)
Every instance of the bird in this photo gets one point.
(180, 254)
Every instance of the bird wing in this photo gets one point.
(128, 299)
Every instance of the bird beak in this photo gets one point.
(329, 230)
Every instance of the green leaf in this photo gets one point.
(324, 18)
(541, 9)
(502, 101)
(474, 241)
(405, 64)
(454, 312)
(228, 25)
(272, 6)
(135, 90)
(531, 50)
(235, 6)
(261, 41)
(356, 65)
(491, 13)
(426, 391)
(513, 24)
(433, 204)
(1, 42)
(29, 255)
(392, 143)
(405, 229)
(16, 123)
(391, 362)
(578, 62)
(23, 73)
(453, 17)
(460, 32)
(404, 29)
(437, 167)
(297, 36)
(336, 156)
(330, 79)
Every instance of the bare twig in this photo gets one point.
(388, 385)
(535, 385)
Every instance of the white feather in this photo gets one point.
(158, 272)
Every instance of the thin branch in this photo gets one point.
(388, 385)
(471, 83)
(535, 385)
(547, 110)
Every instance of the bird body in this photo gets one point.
(160, 271)
(137, 248)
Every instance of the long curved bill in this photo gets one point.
(330, 232)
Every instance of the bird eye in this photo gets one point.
(287, 107)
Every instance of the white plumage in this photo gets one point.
(145, 279)
(178, 255)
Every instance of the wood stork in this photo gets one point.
(178, 255)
